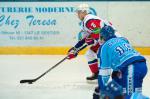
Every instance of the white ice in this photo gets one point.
(67, 81)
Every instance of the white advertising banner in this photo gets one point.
(57, 24)
(37, 24)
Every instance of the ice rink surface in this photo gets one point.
(67, 81)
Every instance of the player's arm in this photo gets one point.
(94, 26)
(104, 68)
(81, 44)
(104, 75)
(73, 52)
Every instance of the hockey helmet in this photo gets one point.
(107, 32)
(83, 7)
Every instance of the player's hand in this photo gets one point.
(72, 53)
(112, 90)
(116, 75)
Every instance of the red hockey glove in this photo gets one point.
(72, 53)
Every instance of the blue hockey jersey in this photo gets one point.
(115, 54)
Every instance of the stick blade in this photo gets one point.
(29, 81)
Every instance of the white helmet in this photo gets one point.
(83, 7)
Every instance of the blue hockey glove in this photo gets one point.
(113, 89)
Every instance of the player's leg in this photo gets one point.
(133, 77)
(140, 70)
(93, 64)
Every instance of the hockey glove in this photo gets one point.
(72, 53)
(117, 76)
(113, 89)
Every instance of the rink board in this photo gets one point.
(53, 50)
(56, 36)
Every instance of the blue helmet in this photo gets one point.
(107, 32)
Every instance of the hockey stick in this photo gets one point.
(30, 81)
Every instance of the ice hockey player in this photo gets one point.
(91, 56)
(91, 26)
(116, 53)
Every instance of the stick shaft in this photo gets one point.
(51, 68)
(33, 80)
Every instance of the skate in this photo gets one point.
(92, 77)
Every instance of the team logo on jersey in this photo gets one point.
(92, 11)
